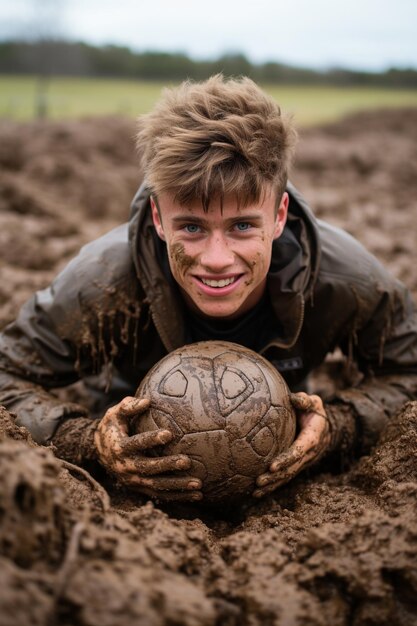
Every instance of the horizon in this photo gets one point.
(362, 37)
(195, 58)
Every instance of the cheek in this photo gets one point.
(179, 260)
(260, 265)
(259, 256)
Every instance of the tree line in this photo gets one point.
(63, 58)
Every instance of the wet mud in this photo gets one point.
(330, 548)
(180, 259)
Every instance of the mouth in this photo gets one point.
(218, 286)
(223, 282)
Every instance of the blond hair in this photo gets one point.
(216, 138)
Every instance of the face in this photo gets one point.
(220, 258)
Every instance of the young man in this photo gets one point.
(219, 246)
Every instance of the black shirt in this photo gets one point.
(253, 329)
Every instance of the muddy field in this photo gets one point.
(329, 549)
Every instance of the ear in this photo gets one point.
(281, 217)
(156, 218)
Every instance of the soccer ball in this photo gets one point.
(229, 411)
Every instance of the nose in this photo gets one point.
(217, 255)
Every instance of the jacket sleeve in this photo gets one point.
(34, 359)
(383, 342)
(73, 329)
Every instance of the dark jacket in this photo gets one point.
(114, 311)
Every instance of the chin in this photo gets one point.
(210, 308)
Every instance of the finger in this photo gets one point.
(109, 437)
(144, 441)
(300, 401)
(289, 472)
(263, 491)
(118, 417)
(150, 466)
(313, 435)
(289, 463)
(292, 466)
(269, 482)
(293, 455)
(113, 428)
(308, 447)
(284, 475)
(128, 408)
(303, 402)
(307, 403)
(131, 406)
(312, 438)
(166, 483)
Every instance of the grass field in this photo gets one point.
(76, 97)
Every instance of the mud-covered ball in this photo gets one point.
(229, 411)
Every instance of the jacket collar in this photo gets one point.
(291, 278)
(294, 268)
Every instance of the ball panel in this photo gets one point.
(174, 384)
(277, 386)
(168, 364)
(264, 441)
(209, 453)
(231, 489)
(247, 415)
(230, 402)
(234, 383)
(155, 418)
(275, 430)
(247, 461)
(244, 411)
(282, 423)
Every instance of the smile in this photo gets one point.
(224, 282)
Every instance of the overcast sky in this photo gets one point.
(363, 34)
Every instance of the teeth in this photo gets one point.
(218, 283)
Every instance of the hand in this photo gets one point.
(310, 445)
(125, 456)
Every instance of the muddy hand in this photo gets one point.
(310, 445)
(125, 456)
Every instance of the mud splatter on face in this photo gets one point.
(180, 259)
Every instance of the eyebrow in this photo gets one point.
(201, 220)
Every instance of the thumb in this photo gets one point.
(131, 406)
(301, 401)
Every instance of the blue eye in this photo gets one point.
(192, 228)
(242, 226)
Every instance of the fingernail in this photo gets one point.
(194, 484)
(257, 494)
(196, 496)
(262, 481)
